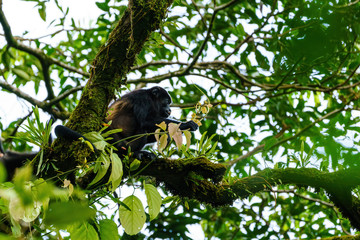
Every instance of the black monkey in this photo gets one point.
(138, 112)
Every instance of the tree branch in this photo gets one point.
(337, 184)
(297, 134)
(45, 60)
(107, 74)
(174, 42)
(46, 106)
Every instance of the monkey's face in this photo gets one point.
(165, 110)
(161, 101)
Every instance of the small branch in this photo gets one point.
(43, 58)
(157, 63)
(46, 73)
(70, 68)
(287, 74)
(198, 10)
(18, 124)
(173, 42)
(251, 102)
(202, 47)
(63, 95)
(249, 37)
(33, 101)
(222, 84)
(53, 34)
(327, 204)
(226, 5)
(20, 94)
(331, 205)
(301, 131)
(341, 85)
(348, 5)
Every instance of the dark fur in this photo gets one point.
(138, 112)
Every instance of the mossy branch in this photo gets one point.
(108, 72)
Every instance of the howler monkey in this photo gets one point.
(138, 112)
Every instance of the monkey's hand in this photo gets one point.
(190, 125)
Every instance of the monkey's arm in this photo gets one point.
(67, 133)
(150, 126)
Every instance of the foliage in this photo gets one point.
(273, 84)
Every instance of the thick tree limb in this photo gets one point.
(108, 72)
(199, 179)
(337, 184)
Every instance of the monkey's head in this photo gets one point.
(162, 101)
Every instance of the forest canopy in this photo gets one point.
(273, 86)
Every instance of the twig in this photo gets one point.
(261, 147)
(63, 95)
(157, 63)
(43, 58)
(173, 42)
(304, 197)
(198, 10)
(18, 124)
(248, 37)
(202, 47)
(327, 204)
(20, 94)
(43, 105)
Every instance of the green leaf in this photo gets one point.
(80, 231)
(269, 143)
(96, 139)
(3, 173)
(116, 171)
(101, 167)
(61, 214)
(188, 138)
(103, 6)
(26, 213)
(132, 220)
(108, 230)
(153, 200)
(42, 11)
(135, 165)
(21, 74)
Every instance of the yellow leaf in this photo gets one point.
(71, 189)
(162, 125)
(173, 128)
(157, 135)
(204, 110)
(163, 142)
(66, 183)
(178, 139)
(197, 122)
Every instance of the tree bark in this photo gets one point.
(107, 74)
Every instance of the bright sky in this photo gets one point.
(23, 17)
